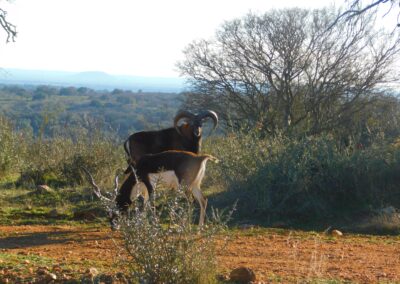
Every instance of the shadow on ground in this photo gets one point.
(34, 239)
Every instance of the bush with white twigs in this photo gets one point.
(164, 244)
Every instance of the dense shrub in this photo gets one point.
(11, 147)
(58, 161)
(100, 156)
(306, 178)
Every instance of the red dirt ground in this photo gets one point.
(274, 255)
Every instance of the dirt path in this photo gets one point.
(274, 255)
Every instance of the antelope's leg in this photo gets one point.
(198, 195)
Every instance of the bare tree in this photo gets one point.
(285, 70)
(9, 28)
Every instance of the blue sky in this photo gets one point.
(123, 37)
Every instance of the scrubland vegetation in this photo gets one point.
(322, 142)
(306, 179)
(308, 182)
(51, 111)
(309, 138)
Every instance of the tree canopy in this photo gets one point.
(287, 71)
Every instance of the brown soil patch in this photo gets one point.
(273, 255)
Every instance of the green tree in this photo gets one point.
(68, 91)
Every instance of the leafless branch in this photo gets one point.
(9, 28)
(96, 188)
(351, 13)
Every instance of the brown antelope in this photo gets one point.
(171, 168)
(185, 137)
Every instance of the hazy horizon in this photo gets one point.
(121, 37)
(6, 69)
(91, 79)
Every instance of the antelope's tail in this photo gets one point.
(126, 148)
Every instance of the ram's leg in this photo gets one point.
(198, 195)
(123, 198)
(150, 188)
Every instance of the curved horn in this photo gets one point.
(211, 114)
(180, 115)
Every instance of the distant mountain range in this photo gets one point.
(93, 79)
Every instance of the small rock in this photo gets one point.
(26, 261)
(43, 188)
(383, 274)
(336, 233)
(51, 276)
(242, 275)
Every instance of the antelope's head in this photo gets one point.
(195, 121)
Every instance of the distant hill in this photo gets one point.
(92, 79)
(92, 76)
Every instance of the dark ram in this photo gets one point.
(185, 137)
